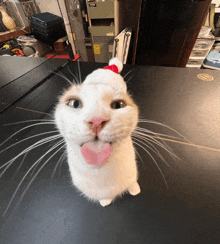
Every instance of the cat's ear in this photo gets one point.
(117, 62)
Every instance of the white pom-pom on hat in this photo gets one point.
(117, 62)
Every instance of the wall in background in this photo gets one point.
(48, 6)
(168, 31)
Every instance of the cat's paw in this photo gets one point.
(105, 202)
(134, 189)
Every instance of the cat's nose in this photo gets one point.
(97, 124)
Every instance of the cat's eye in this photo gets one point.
(75, 103)
(118, 104)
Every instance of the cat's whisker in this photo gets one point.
(166, 126)
(151, 147)
(138, 155)
(188, 143)
(37, 124)
(155, 141)
(34, 111)
(14, 194)
(27, 121)
(57, 165)
(40, 134)
(154, 133)
(62, 76)
(23, 159)
(51, 144)
(154, 161)
(151, 138)
(10, 162)
(146, 133)
(37, 144)
(148, 140)
(127, 81)
(57, 145)
(130, 72)
(75, 79)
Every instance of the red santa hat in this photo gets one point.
(115, 65)
(108, 75)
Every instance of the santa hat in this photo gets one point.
(108, 75)
(115, 65)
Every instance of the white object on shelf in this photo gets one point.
(200, 50)
(199, 54)
(194, 63)
(20, 11)
(203, 44)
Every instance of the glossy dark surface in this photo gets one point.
(52, 211)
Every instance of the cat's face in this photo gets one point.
(81, 103)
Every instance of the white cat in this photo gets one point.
(96, 119)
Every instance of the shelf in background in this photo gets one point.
(7, 35)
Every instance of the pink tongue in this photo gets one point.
(96, 153)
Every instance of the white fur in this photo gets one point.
(119, 174)
(117, 62)
(108, 77)
(108, 181)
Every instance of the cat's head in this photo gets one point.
(99, 109)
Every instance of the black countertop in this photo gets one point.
(52, 211)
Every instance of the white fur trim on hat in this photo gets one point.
(117, 62)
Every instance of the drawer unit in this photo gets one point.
(100, 10)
